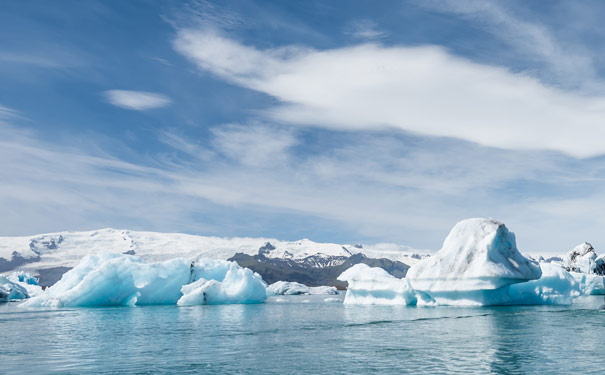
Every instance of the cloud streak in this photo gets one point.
(136, 100)
(424, 90)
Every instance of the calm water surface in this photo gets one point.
(304, 335)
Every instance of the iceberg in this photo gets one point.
(280, 288)
(479, 260)
(223, 282)
(586, 268)
(589, 283)
(375, 286)
(479, 264)
(18, 285)
(583, 259)
(109, 279)
(10, 290)
(555, 287)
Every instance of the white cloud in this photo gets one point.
(136, 100)
(424, 90)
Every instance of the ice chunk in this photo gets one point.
(10, 290)
(589, 283)
(236, 285)
(555, 287)
(26, 281)
(294, 288)
(375, 286)
(109, 279)
(477, 257)
(582, 259)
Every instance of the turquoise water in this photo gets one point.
(304, 335)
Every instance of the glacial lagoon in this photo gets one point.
(304, 335)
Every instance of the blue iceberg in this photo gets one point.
(108, 279)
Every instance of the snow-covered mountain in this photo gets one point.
(51, 254)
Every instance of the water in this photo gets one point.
(304, 335)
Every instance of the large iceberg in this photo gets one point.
(375, 286)
(281, 288)
(108, 279)
(479, 264)
(478, 261)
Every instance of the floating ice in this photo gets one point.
(590, 284)
(18, 285)
(10, 290)
(581, 258)
(222, 282)
(479, 264)
(555, 287)
(375, 286)
(109, 279)
(294, 288)
(478, 258)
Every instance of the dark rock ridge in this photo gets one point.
(314, 270)
(15, 261)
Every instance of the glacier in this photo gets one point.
(110, 279)
(478, 265)
(280, 288)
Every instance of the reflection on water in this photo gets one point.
(301, 338)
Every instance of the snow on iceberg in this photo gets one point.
(478, 261)
(375, 286)
(108, 279)
(280, 288)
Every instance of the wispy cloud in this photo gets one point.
(365, 29)
(566, 64)
(425, 90)
(377, 185)
(136, 100)
(257, 146)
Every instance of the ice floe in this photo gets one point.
(294, 288)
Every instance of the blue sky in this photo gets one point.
(341, 121)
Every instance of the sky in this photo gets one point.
(337, 121)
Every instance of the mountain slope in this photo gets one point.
(50, 255)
